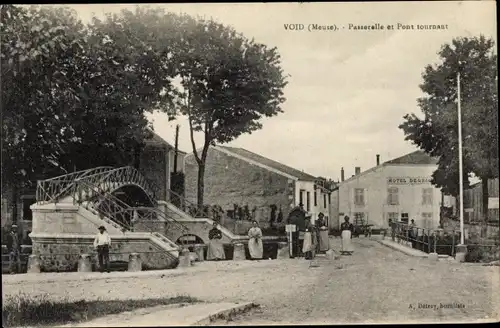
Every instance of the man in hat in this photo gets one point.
(14, 248)
(102, 242)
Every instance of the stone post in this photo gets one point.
(199, 250)
(34, 264)
(134, 262)
(433, 257)
(239, 252)
(184, 258)
(84, 263)
(461, 251)
(283, 251)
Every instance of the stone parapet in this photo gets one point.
(61, 252)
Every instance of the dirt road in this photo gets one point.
(375, 284)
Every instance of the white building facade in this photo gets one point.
(400, 190)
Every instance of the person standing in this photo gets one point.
(323, 241)
(14, 248)
(393, 226)
(215, 248)
(412, 235)
(346, 236)
(102, 242)
(308, 244)
(255, 246)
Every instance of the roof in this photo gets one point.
(158, 141)
(416, 158)
(270, 163)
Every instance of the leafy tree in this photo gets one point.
(228, 84)
(36, 46)
(73, 96)
(437, 132)
(121, 78)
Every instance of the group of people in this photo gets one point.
(215, 250)
(315, 237)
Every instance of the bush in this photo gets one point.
(24, 310)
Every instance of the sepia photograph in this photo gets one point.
(245, 164)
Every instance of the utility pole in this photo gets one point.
(176, 147)
(460, 163)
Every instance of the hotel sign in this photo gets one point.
(408, 180)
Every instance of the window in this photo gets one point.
(359, 218)
(404, 217)
(359, 196)
(393, 216)
(324, 200)
(315, 198)
(301, 197)
(427, 220)
(308, 200)
(329, 199)
(393, 196)
(427, 196)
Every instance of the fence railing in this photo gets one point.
(436, 240)
(51, 190)
(126, 216)
(188, 207)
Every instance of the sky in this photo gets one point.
(348, 90)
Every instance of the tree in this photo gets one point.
(73, 96)
(228, 84)
(437, 132)
(36, 45)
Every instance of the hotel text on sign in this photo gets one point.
(408, 180)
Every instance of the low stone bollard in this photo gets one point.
(34, 264)
(84, 263)
(199, 250)
(239, 252)
(184, 258)
(433, 257)
(134, 262)
(283, 251)
(460, 253)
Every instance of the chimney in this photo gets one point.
(357, 170)
(378, 159)
(342, 174)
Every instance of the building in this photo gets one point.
(399, 189)
(235, 176)
(473, 202)
(156, 164)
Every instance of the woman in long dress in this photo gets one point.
(255, 246)
(346, 229)
(215, 248)
(323, 240)
(307, 245)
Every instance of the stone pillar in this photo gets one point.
(239, 252)
(134, 262)
(460, 252)
(84, 263)
(184, 258)
(283, 251)
(34, 264)
(199, 250)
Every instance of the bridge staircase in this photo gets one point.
(91, 191)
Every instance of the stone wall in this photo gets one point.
(230, 180)
(60, 254)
